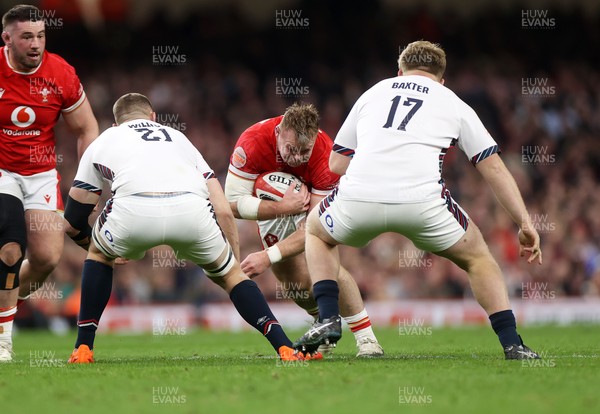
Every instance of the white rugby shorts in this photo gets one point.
(129, 226)
(277, 229)
(432, 226)
(37, 192)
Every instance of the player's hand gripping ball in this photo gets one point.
(273, 185)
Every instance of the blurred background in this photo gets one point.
(213, 68)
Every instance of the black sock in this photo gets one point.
(326, 293)
(96, 285)
(505, 326)
(252, 306)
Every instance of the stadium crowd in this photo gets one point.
(538, 95)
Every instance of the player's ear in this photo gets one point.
(153, 116)
(442, 81)
(399, 72)
(5, 37)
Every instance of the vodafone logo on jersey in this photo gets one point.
(22, 116)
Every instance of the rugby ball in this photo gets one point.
(272, 185)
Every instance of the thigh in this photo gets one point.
(194, 233)
(45, 236)
(42, 191)
(117, 223)
(348, 222)
(12, 221)
(432, 226)
(469, 247)
(10, 184)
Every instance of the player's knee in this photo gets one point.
(11, 257)
(221, 267)
(11, 252)
(229, 280)
(43, 262)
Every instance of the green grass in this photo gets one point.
(456, 371)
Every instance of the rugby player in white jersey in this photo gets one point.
(292, 143)
(390, 151)
(163, 192)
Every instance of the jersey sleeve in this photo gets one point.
(242, 159)
(204, 168)
(73, 94)
(474, 139)
(322, 179)
(90, 174)
(346, 140)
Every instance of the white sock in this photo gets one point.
(360, 325)
(7, 316)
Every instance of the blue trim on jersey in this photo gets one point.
(348, 152)
(443, 153)
(454, 208)
(326, 202)
(105, 171)
(485, 153)
(86, 186)
(105, 212)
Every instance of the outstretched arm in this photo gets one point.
(224, 215)
(505, 188)
(256, 263)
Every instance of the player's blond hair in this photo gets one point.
(132, 106)
(425, 56)
(303, 119)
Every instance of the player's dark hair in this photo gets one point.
(22, 13)
(131, 106)
(304, 120)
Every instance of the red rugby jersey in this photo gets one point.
(30, 105)
(256, 153)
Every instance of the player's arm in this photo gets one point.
(294, 243)
(80, 204)
(82, 123)
(507, 192)
(339, 163)
(256, 263)
(224, 214)
(244, 205)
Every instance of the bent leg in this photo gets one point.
(294, 282)
(96, 287)
(249, 301)
(45, 241)
(471, 254)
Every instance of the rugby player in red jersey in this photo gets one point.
(292, 143)
(36, 87)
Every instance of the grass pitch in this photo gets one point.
(430, 371)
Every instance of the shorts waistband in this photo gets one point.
(161, 195)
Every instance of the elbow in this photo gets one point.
(234, 210)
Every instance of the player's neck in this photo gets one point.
(420, 73)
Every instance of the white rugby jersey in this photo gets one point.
(143, 156)
(398, 133)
